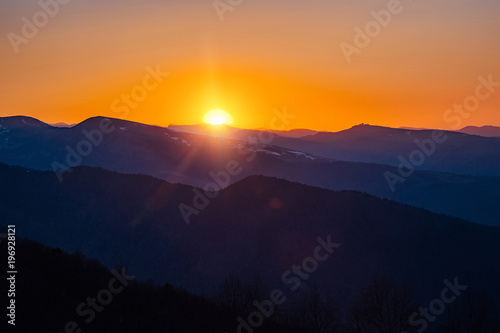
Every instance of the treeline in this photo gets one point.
(57, 292)
(381, 307)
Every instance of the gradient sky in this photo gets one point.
(264, 55)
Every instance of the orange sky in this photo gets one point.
(262, 56)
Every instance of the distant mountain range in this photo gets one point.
(259, 225)
(487, 131)
(194, 159)
(62, 125)
(229, 132)
(459, 153)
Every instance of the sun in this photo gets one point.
(218, 117)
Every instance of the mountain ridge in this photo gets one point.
(485, 131)
(259, 225)
(191, 159)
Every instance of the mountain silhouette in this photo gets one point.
(192, 159)
(459, 153)
(486, 131)
(259, 225)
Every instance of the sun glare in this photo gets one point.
(218, 117)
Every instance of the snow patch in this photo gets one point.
(3, 129)
(302, 154)
(297, 153)
(269, 152)
(184, 142)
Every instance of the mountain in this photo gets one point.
(413, 128)
(259, 225)
(197, 160)
(294, 133)
(20, 122)
(449, 152)
(457, 152)
(233, 133)
(61, 124)
(130, 147)
(134, 306)
(220, 131)
(486, 131)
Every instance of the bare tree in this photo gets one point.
(238, 296)
(314, 312)
(231, 293)
(473, 312)
(382, 307)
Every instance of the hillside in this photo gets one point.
(259, 225)
(191, 159)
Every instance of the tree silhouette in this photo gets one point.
(237, 296)
(231, 293)
(313, 311)
(473, 312)
(382, 307)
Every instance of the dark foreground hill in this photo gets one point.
(54, 289)
(259, 226)
(85, 296)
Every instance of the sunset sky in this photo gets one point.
(263, 55)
